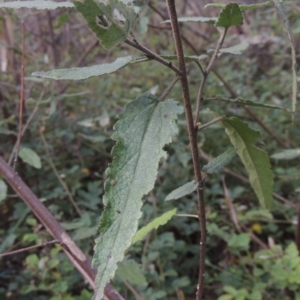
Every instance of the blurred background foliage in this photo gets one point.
(251, 253)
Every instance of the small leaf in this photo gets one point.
(229, 16)
(219, 162)
(182, 191)
(130, 271)
(195, 19)
(234, 50)
(85, 232)
(3, 190)
(242, 7)
(287, 154)
(245, 102)
(30, 157)
(143, 130)
(37, 4)
(255, 160)
(161, 220)
(85, 72)
(111, 21)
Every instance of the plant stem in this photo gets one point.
(205, 75)
(209, 123)
(168, 89)
(193, 141)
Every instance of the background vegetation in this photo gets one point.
(251, 253)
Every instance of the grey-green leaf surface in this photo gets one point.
(219, 162)
(159, 221)
(183, 190)
(234, 50)
(85, 72)
(244, 102)
(145, 127)
(242, 7)
(111, 21)
(3, 190)
(130, 271)
(255, 160)
(30, 157)
(195, 19)
(229, 16)
(37, 4)
(293, 53)
(287, 154)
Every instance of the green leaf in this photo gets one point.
(245, 102)
(182, 191)
(130, 271)
(195, 19)
(187, 58)
(145, 127)
(255, 160)
(293, 53)
(242, 7)
(235, 50)
(219, 162)
(161, 220)
(111, 21)
(3, 190)
(85, 72)
(229, 16)
(287, 154)
(30, 157)
(37, 4)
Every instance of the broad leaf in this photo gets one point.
(293, 53)
(30, 157)
(3, 190)
(37, 4)
(111, 21)
(195, 19)
(244, 102)
(145, 127)
(229, 16)
(183, 190)
(130, 271)
(287, 154)
(235, 50)
(219, 162)
(85, 72)
(161, 220)
(255, 160)
(242, 7)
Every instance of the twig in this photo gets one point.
(209, 123)
(64, 185)
(206, 73)
(29, 248)
(193, 141)
(168, 89)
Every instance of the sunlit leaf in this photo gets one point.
(3, 190)
(161, 220)
(30, 157)
(242, 7)
(229, 16)
(37, 4)
(195, 19)
(234, 50)
(219, 162)
(85, 72)
(145, 127)
(287, 154)
(255, 160)
(182, 191)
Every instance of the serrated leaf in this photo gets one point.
(287, 154)
(234, 50)
(85, 72)
(30, 157)
(111, 21)
(183, 190)
(219, 162)
(293, 53)
(242, 7)
(161, 220)
(255, 160)
(245, 102)
(229, 16)
(195, 19)
(145, 127)
(3, 190)
(130, 271)
(37, 4)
